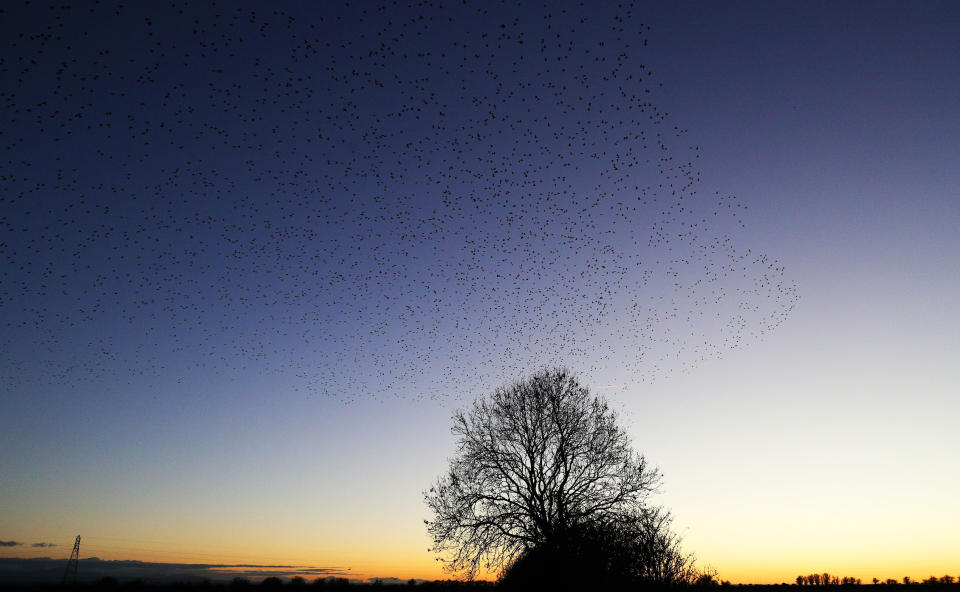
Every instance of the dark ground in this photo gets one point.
(277, 585)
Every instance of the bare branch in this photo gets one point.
(535, 461)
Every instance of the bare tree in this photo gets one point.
(536, 462)
(657, 556)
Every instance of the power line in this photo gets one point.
(73, 563)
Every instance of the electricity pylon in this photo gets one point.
(71, 573)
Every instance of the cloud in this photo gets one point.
(10, 544)
(45, 569)
(44, 545)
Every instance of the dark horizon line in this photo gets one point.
(212, 571)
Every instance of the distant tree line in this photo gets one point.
(825, 579)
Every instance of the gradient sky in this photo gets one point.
(828, 443)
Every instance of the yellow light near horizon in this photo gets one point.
(739, 564)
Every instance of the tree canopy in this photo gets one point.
(543, 469)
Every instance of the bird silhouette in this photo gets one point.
(369, 198)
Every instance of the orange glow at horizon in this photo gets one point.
(383, 563)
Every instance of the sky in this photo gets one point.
(255, 258)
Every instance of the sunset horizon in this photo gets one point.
(370, 288)
(217, 566)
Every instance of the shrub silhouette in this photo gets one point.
(643, 553)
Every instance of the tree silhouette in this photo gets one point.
(544, 476)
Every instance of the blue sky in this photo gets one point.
(824, 443)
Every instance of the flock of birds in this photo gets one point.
(423, 199)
